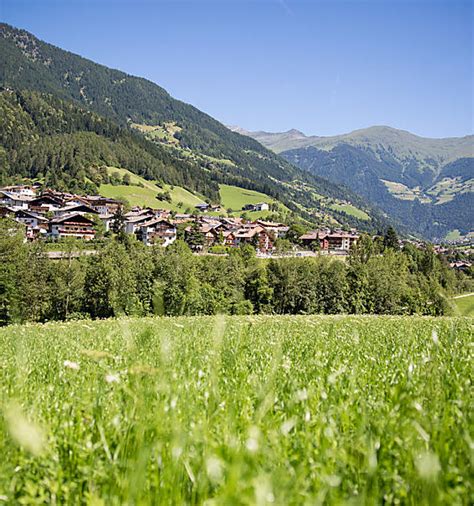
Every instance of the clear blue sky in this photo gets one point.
(324, 67)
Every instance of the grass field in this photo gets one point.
(351, 211)
(146, 196)
(235, 198)
(465, 305)
(237, 411)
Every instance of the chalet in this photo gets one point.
(133, 223)
(14, 200)
(261, 206)
(278, 229)
(45, 203)
(203, 207)
(103, 205)
(328, 240)
(229, 238)
(341, 240)
(74, 208)
(157, 231)
(461, 265)
(138, 211)
(72, 225)
(31, 220)
(313, 239)
(256, 236)
(21, 190)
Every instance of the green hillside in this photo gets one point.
(193, 150)
(235, 198)
(143, 193)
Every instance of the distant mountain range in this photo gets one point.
(427, 184)
(63, 116)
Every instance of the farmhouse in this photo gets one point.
(157, 231)
(14, 200)
(256, 236)
(72, 225)
(75, 208)
(261, 206)
(328, 240)
(30, 219)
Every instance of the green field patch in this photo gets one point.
(227, 410)
(350, 210)
(464, 305)
(234, 197)
(145, 195)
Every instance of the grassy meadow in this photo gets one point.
(464, 304)
(237, 411)
(145, 195)
(351, 211)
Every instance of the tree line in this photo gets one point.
(127, 278)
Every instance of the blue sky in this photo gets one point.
(324, 67)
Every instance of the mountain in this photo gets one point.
(425, 183)
(131, 119)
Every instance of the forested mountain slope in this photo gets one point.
(425, 183)
(199, 154)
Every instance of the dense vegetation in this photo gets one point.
(30, 64)
(237, 410)
(63, 144)
(128, 278)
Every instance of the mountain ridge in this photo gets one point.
(426, 183)
(220, 155)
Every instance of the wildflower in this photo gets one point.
(112, 378)
(214, 469)
(434, 336)
(302, 395)
(252, 441)
(287, 426)
(71, 365)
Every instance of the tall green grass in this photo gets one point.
(237, 410)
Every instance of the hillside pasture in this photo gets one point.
(464, 304)
(143, 193)
(237, 410)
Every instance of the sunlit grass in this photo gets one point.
(237, 410)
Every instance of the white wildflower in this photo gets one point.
(434, 336)
(302, 395)
(252, 441)
(71, 365)
(214, 469)
(112, 378)
(287, 426)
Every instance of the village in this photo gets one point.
(53, 216)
